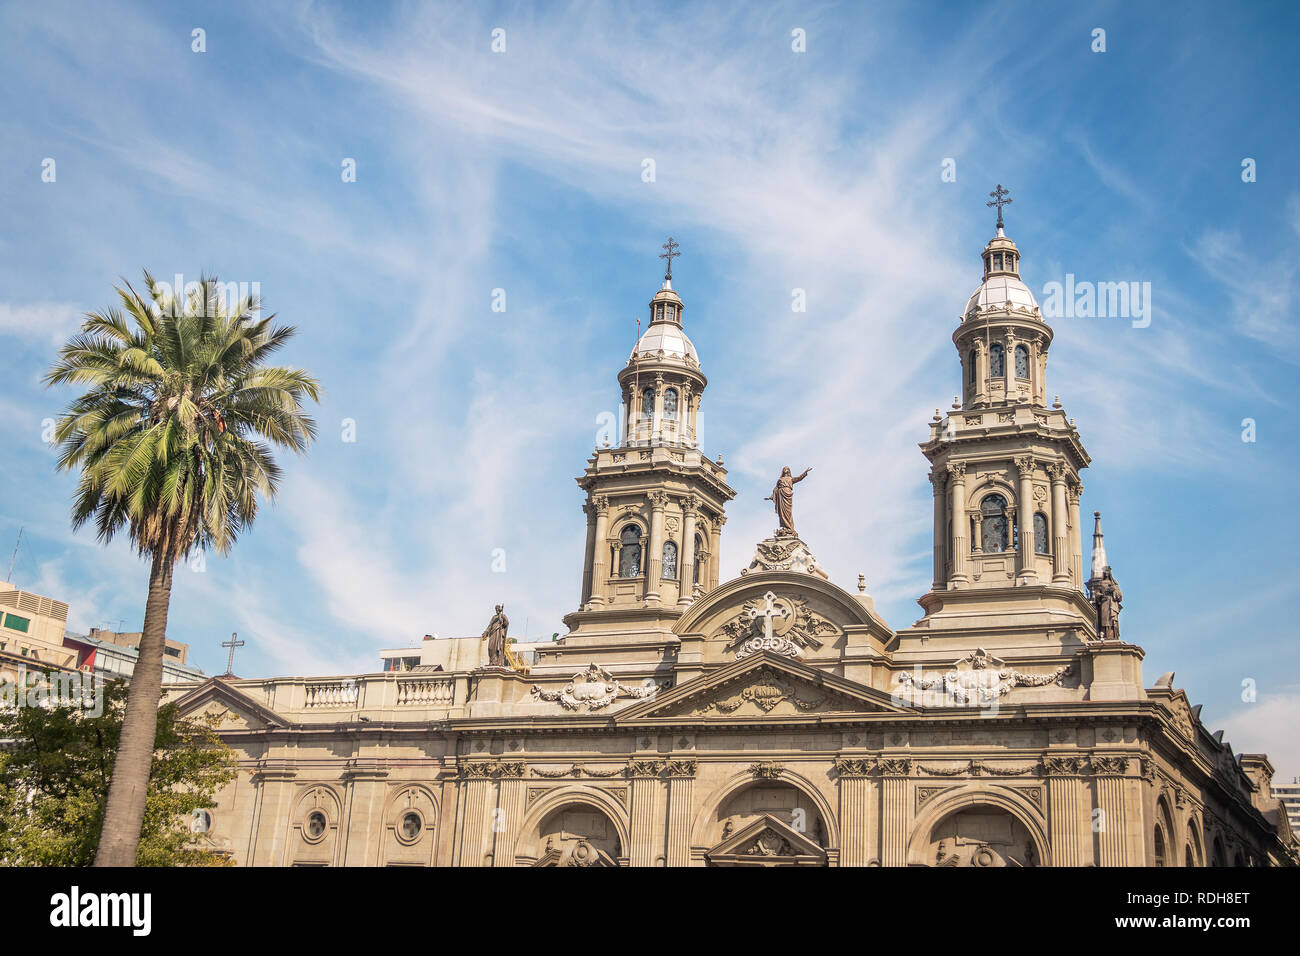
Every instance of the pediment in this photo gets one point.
(767, 841)
(238, 711)
(764, 686)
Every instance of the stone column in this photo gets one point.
(1109, 784)
(1025, 509)
(855, 810)
(981, 362)
(681, 793)
(588, 553)
(686, 560)
(1063, 815)
(1009, 364)
(510, 804)
(715, 546)
(478, 812)
(657, 424)
(894, 817)
(600, 552)
(937, 483)
(1073, 491)
(1036, 357)
(658, 501)
(1060, 522)
(645, 788)
(957, 486)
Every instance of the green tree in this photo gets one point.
(173, 444)
(54, 784)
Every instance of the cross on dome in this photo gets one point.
(671, 248)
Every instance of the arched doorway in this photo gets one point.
(981, 835)
(577, 834)
(769, 823)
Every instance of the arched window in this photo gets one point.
(669, 561)
(647, 403)
(629, 557)
(698, 568)
(970, 367)
(997, 260)
(670, 405)
(661, 311)
(997, 361)
(1040, 534)
(671, 313)
(1160, 847)
(1022, 362)
(993, 524)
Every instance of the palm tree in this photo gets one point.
(173, 441)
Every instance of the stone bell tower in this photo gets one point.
(1005, 464)
(655, 503)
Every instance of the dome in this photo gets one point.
(668, 337)
(997, 290)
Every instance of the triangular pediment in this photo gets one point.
(764, 686)
(767, 841)
(238, 711)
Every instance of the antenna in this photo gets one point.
(14, 556)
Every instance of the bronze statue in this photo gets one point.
(1109, 601)
(495, 635)
(782, 497)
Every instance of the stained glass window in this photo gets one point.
(670, 405)
(1022, 362)
(670, 561)
(629, 558)
(1040, 534)
(647, 403)
(997, 363)
(993, 524)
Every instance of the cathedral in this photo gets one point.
(773, 718)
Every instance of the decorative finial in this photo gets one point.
(862, 583)
(671, 248)
(999, 200)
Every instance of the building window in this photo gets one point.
(629, 558)
(670, 561)
(670, 405)
(411, 826)
(316, 825)
(1160, 847)
(698, 567)
(647, 403)
(1040, 534)
(659, 313)
(993, 524)
(997, 260)
(997, 363)
(17, 623)
(671, 313)
(1022, 362)
(970, 367)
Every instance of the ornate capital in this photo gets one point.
(894, 766)
(1057, 471)
(493, 769)
(1109, 766)
(1025, 465)
(601, 503)
(1063, 766)
(957, 470)
(644, 768)
(690, 504)
(938, 479)
(680, 768)
(658, 500)
(854, 766)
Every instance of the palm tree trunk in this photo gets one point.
(124, 813)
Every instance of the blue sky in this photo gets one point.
(775, 170)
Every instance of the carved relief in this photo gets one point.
(766, 770)
(594, 689)
(766, 690)
(979, 678)
(794, 626)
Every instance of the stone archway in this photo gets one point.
(744, 798)
(979, 828)
(573, 829)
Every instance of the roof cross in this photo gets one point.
(999, 201)
(230, 660)
(769, 611)
(671, 246)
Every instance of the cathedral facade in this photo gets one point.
(773, 718)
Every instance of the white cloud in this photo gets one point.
(39, 321)
(1268, 726)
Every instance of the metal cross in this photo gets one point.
(672, 251)
(230, 660)
(769, 611)
(999, 201)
